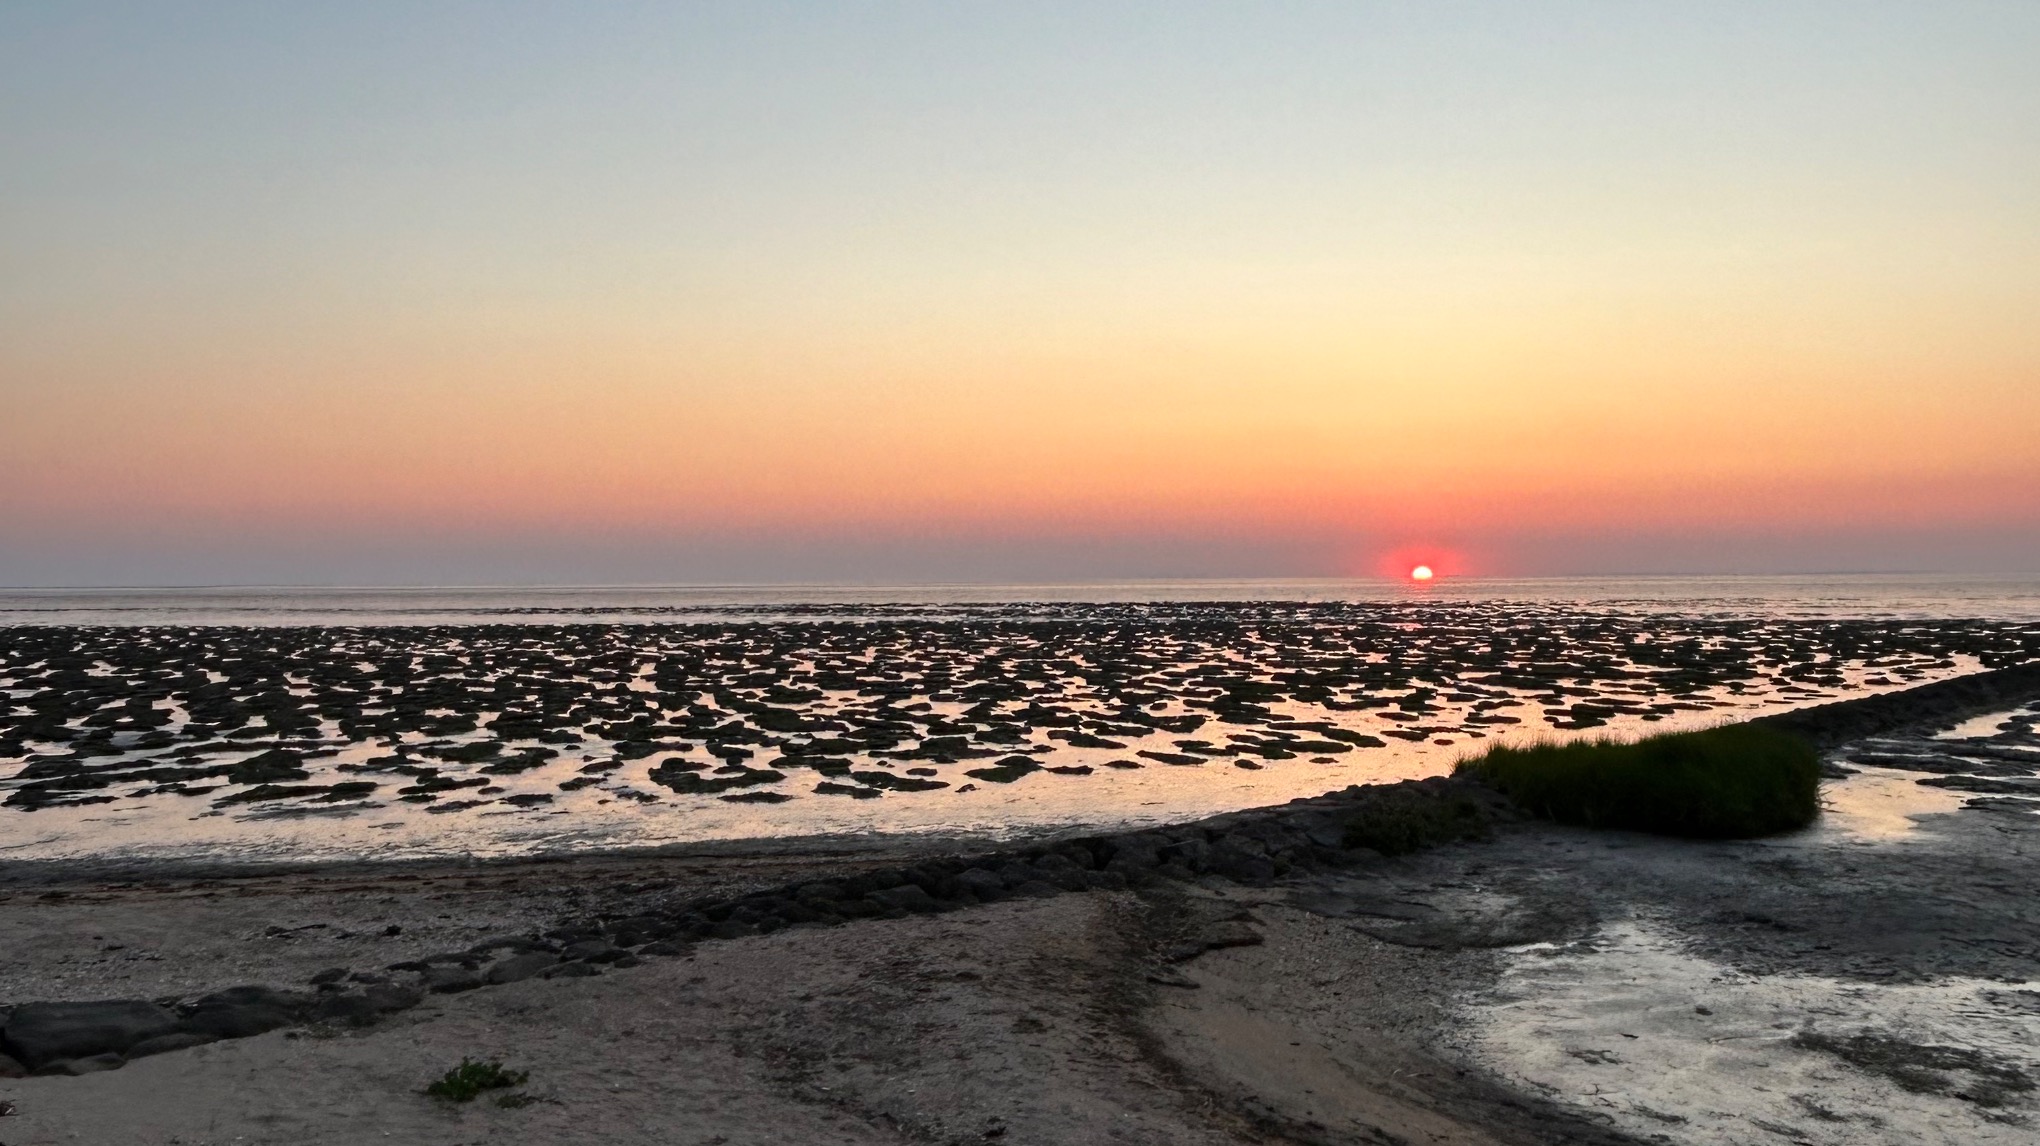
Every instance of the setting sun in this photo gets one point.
(1421, 573)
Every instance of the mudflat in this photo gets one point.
(1261, 976)
(430, 741)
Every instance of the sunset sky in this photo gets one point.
(644, 292)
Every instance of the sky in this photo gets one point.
(595, 293)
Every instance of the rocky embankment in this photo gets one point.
(1251, 847)
(1831, 725)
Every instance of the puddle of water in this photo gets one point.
(1985, 725)
(1618, 1030)
(1878, 804)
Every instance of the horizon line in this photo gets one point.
(684, 585)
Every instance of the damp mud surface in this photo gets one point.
(1405, 962)
(327, 743)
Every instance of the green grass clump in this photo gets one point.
(1732, 782)
(467, 1081)
(1399, 821)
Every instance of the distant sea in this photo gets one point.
(1925, 596)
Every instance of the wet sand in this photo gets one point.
(1868, 980)
(285, 744)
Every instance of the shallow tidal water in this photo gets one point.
(433, 723)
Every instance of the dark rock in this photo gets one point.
(906, 897)
(985, 885)
(520, 967)
(887, 780)
(38, 1034)
(1131, 852)
(854, 791)
(450, 980)
(873, 881)
(255, 995)
(640, 929)
(261, 792)
(1004, 771)
(1234, 860)
(90, 1064)
(1941, 763)
(268, 768)
(794, 912)
(1074, 853)
(572, 971)
(593, 951)
(1061, 871)
(2016, 804)
(1016, 873)
(521, 762)
(329, 975)
(1994, 786)
(1176, 758)
(11, 1069)
(688, 783)
(667, 947)
(354, 1009)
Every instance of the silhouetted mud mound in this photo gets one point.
(537, 720)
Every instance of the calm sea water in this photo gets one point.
(1828, 595)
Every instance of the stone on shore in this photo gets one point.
(517, 968)
(38, 1034)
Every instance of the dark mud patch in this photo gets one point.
(1922, 1068)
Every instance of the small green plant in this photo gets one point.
(467, 1081)
(1733, 782)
